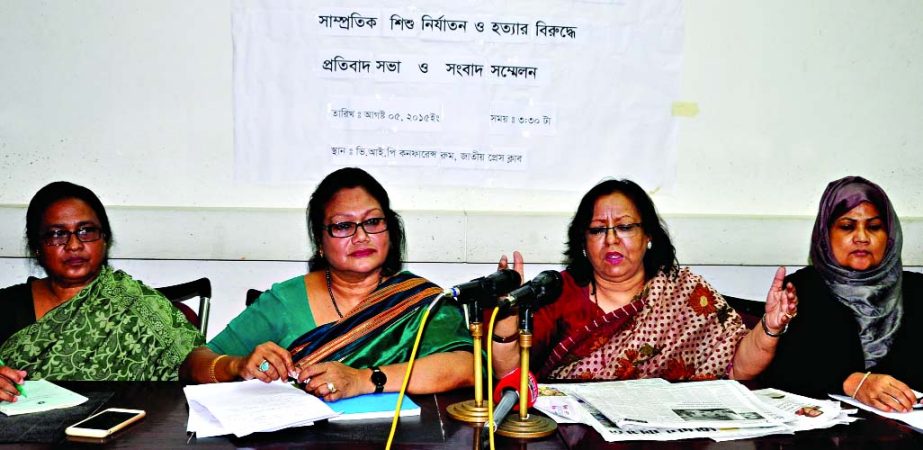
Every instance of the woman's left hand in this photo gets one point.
(332, 381)
(781, 303)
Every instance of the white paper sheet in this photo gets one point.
(246, 407)
(41, 395)
(913, 418)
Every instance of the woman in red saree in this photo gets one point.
(627, 310)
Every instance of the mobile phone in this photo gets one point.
(105, 423)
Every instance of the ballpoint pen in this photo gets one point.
(19, 387)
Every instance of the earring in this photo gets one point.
(649, 245)
(584, 253)
(320, 253)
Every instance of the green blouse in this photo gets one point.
(280, 315)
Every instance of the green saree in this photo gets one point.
(115, 329)
(378, 332)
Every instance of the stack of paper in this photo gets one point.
(246, 407)
(41, 396)
(654, 409)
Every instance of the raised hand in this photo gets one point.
(518, 265)
(781, 304)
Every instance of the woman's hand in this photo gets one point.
(518, 265)
(334, 380)
(781, 304)
(881, 391)
(9, 378)
(279, 359)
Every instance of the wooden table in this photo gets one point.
(165, 425)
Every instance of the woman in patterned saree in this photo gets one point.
(628, 311)
(85, 321)
(346, 328)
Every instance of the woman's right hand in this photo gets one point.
(881, 391)
(518, 265)
(280, 363)
(9, 378)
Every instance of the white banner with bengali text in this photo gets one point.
(519, 94)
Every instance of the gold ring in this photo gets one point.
(331, 387)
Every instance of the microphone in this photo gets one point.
(488, 287)
(541, 290)
(508, 392)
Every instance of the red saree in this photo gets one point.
(678, 328)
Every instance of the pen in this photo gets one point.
(19, 387)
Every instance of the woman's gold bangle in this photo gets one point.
(861, 382)
(211, 368)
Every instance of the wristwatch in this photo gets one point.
(379, 379)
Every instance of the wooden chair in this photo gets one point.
(252, 295)
(201, 288)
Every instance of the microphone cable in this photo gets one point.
(490, 380)
(413, 356)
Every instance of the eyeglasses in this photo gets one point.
(374, 225)
(61, 236)
(623, 231)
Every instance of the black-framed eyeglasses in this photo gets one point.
(60, 236)
(374, 225)
(622, 230)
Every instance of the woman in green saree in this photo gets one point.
(84, 321)
(346, 328)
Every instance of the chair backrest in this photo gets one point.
(751, 311)
(201, 288)
(252, 295)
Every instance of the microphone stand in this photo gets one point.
(525, 425)
(473, 411)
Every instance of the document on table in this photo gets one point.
(566, 403)
(42, 396)
(913, 418)
(246, 407)
(715, 403)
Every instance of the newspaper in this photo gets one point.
(718, 403)
(782, 412)
(810, 414)
(561, 403)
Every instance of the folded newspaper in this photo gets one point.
(654, 409)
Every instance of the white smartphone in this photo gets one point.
(105, 423)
